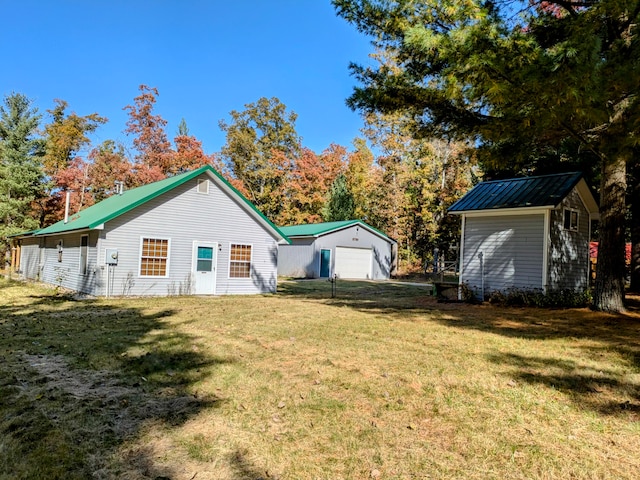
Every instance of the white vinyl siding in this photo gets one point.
(185, 216)
(507, 249)
(297, 261)
(569, 249)
(68, 272)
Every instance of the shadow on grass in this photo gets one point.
(81, 380)
(601, 390)
(245, 470)
(617, 336)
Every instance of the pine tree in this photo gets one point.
(513, 84)
(21, 172)
(340, 204)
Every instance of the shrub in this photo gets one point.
(522, 297)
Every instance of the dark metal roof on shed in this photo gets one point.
(541, 191)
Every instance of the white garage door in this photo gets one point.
(353, 262)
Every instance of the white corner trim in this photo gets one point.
(545, 250)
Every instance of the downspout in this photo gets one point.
(545, 250)
(461, 256)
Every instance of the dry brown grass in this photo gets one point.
(379, 382)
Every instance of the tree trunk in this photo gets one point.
(634, 198)
(610, 270)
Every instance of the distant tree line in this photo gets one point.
(404, 191)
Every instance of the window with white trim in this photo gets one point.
(154, 257)
(571, 220)
(240, 261)
(84, 254)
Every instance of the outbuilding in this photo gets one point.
(188, 234)
(348, 249)
(528, 233)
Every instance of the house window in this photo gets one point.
(84, 254)
(240, 261)
(571, 220)
(60, 247)
(154, 257)
(203, 185)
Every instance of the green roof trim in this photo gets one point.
(319, 229)
(117, 205)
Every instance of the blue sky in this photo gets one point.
(205, 57)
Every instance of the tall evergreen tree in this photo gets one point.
(340, 203)
(21, 173)
(473, 69)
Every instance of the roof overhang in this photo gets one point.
(357, 223)
(504, 211)
(588, 199)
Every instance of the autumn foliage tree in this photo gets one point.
(310, 180)
(153, 149)
(261, 148)
(66, 135)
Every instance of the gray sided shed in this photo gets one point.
(188, 234)
(526, 233)
(349, 249)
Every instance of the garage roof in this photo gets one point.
(319, 229)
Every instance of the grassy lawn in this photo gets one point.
(380, 382)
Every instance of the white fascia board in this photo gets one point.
(503, 212)
(66, 232)
(587, 199)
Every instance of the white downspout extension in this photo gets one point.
(461, 257)
(481, 257)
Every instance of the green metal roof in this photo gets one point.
(540, 191)
(318, 229)
(117, 205)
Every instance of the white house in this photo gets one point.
(188, 234)
(526, 233)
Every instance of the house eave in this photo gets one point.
(504, 211)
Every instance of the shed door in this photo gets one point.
(353, 263)
(204, 268)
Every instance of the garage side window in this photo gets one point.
(154, 257)
(240, 261)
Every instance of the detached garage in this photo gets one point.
(349, 249)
